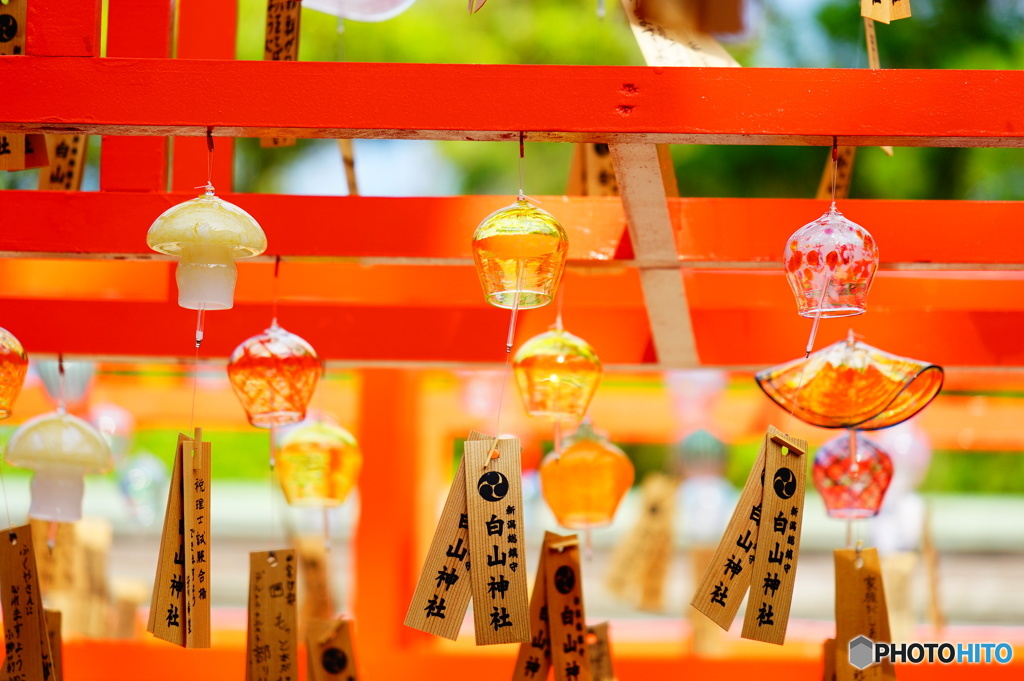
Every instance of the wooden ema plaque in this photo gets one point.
(599, 651)
(66, 165)
(640, 562)
(25, 633)
(180, 607)
(534, 658)
(195, 472)
(56, 643)
(281, 44)
(727, 576)
(860, 611)
(442, 595)
(331, 654)
(17, 151)
(566, 618)
(828, 651)
(668, 34)
(885, 10)
(272, 636)
(494, 504)
(778, 539)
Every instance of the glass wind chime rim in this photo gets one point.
(874, 421)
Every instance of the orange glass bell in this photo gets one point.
(318, 464)
(850, 384)
(557, 374)
(13, 366)
(520, 253)
(830, 264)
(585, 483)
(274, 375)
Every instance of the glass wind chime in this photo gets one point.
(852, 385)
(207, 234)
(61, 449)
(519, 252)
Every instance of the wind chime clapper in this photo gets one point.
(207, 234)
(180, 608)
(761, 545)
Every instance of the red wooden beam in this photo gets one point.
(448, 101)
(714, 233)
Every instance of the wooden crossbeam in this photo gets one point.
(121, 96)
(638, 172)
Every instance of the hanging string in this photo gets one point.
(200, 321)
(209, 160)
(835, 168)
(273, 496)
(807, 352)
(522, 163)
(508, 360)
(276, 290)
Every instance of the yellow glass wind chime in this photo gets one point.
(830, 264)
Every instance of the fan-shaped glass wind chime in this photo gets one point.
(852, 385)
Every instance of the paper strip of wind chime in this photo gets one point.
(180, 609)
(557, 619)
(28, 655)
(761, 545)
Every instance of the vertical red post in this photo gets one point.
(206, 30)
(57, 28)
(385, 543)
(136, 28)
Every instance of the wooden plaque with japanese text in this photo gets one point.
(281, 43)
(599, 650)
(720, 593)
(331, 653)
(534, 659)
(272, 636)
(566, 618)
(778, 539)
(442, 595)
(56, 643)
(66, 165)
(494, 504)
(167, 607)
(860, 611)
(195, 471)
(25, 633)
